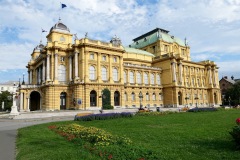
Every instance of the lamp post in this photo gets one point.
(140, 98)
(196, 98)
(23, 83)
(186, 98)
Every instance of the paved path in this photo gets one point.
(8, 133)
(9, 126)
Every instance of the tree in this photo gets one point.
(6, 97)
(233, 94)
(106, 99)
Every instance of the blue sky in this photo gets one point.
(212, 27)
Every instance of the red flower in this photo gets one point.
(238, 121)
(110, 156)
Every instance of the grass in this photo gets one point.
(201, 135)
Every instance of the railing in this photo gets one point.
(30, 86)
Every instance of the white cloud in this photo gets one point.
(15, 56)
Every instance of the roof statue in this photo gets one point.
(116, 41)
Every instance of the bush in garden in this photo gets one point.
(202, 109)
(107, 106)
(103, 116)
(235, 133)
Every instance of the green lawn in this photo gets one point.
(202, 136)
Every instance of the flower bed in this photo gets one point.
(92, 135)
(202, 109)
(103, 116)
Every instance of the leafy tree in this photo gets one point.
(234, 94)
(5, 97)
(106, 99)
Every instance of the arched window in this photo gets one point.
(160, 97)
(125, 96)
(125, 77)
(92, 73)
(133, 96)
(152, 78)
(147, 96)
(131, 77)
(154, 97)
(62, 73)
(104, 73)
(158, 79)
(115, 74)
(139, 78)
(145, 78)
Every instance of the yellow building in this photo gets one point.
(72, 75)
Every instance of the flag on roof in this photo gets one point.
(63, 5)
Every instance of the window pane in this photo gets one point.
(91, 73)
(131, 77)
(104, 74)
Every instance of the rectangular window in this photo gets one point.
(104, 58)
(91, 56)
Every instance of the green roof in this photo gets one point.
(153, 37)
(138, 51)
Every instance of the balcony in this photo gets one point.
(30, 86)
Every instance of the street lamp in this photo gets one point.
(23, 83)
(140, 98)
(186, 98)
(196, 98)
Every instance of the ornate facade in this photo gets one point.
(72, 75)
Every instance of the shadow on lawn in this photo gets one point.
(219, 145)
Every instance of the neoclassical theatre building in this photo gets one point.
(72, 74)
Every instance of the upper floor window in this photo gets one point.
(114, 59)
(152, 78)
(131, 77)
(145, 78)
(139, 78)
(183, 52)
(92, 73)
(91, 56)
(165, 48)
(62, 59)
(158, 79)
(61, 73)
(104, 74)
(125, 77)
(115, 74)
(62, 39)
(104, 58)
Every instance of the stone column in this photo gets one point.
(43, 71)
(76, 65)
(48, 68)
(56, 67)
(121, 70)
(29, 77)
(21, 101)
(110, 73)
(209, 75)
(180, 73)
(28, 104)
(70, 68)
(98, 68)
(214, 77)
(173, 72)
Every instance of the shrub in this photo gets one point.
(235, 133)
(202, 109)
(103, 116)
(107, 106)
